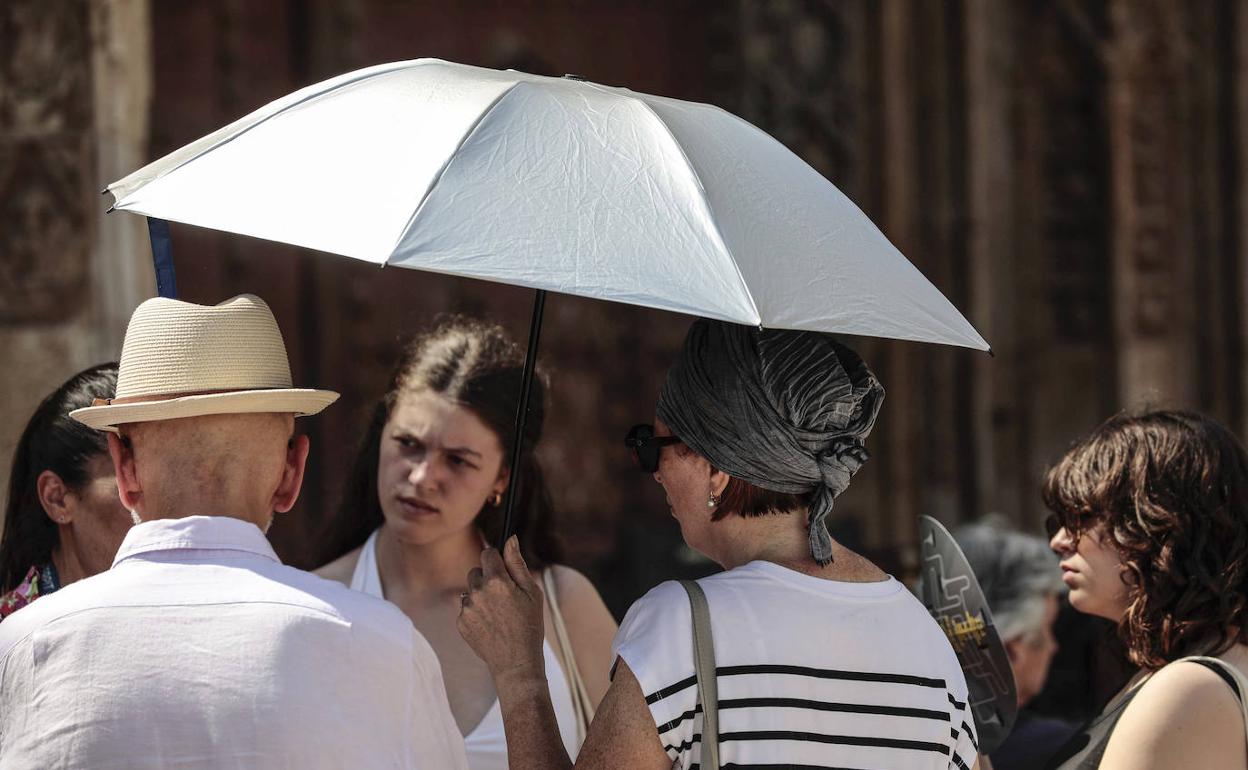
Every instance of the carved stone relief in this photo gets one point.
(46, 159)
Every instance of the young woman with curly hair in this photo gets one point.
(1151, 524)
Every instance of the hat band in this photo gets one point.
(171, 396)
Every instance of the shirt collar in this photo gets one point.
(195, 532)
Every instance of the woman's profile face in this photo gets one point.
(685, 478)
(100, 521)
(438, 464)
(1093, 570)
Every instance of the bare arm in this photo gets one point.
(1184, 717)
(623, 732)
(590, 629)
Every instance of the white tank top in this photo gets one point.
(486, 744)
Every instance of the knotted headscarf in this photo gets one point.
(783, 410)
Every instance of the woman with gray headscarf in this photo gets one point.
(821, 659)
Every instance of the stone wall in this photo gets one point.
(74, 98)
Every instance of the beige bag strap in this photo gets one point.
(582, 704)
(1241, 682)
(704, 668)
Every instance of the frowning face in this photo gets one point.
(438, 465)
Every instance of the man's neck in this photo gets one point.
(171, 512)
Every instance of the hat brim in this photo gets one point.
(299, 401)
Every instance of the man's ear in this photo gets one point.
(292, 474)
(128, 487)
(52, 496)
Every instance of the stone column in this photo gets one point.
(73, 114)
(1150, 173)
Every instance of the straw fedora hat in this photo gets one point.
(186, 360)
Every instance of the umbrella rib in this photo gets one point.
(223, 136)
(719, 236)
(449, 158)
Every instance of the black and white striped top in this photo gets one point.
(812, 674)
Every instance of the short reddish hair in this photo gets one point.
(744, 499)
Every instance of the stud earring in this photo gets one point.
(712, 501)
(497, 499)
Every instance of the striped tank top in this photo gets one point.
(812, 673)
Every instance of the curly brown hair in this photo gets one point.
(1171, 489)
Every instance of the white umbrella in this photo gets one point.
(551, 183)
(554, 184)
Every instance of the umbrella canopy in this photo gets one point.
(554, 184)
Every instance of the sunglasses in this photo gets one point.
(646, 446)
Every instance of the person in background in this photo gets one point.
(63, 520)
(823, 660)
(1018, 575)
(1150, 519)
(198, 648)
(426, 494)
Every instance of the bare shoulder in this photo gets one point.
(590, 625)
(342, 569)
(1185, 715)
(579, 601)
(572, 585)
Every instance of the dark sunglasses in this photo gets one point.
(646, 446)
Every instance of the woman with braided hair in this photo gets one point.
(1150, 519)
(819, 658)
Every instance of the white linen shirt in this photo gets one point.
(199, 649)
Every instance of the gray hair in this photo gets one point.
(1015, 570)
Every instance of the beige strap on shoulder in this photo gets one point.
(1240, 681)
(582, 704)
(704, 668)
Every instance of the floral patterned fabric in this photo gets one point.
(40, 581)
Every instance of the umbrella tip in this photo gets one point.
(570, 76)
(104, 191)
(991, 354)
(111, 208)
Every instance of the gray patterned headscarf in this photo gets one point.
(783, 410)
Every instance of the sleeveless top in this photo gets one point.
(486, 744)
(1086, 747)
(811, 673)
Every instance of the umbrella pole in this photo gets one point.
(162, 257)
(522, 411)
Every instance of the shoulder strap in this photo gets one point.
(582, 704)
(704, 668)
(1225, 670)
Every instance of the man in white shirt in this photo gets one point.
(199, 649)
